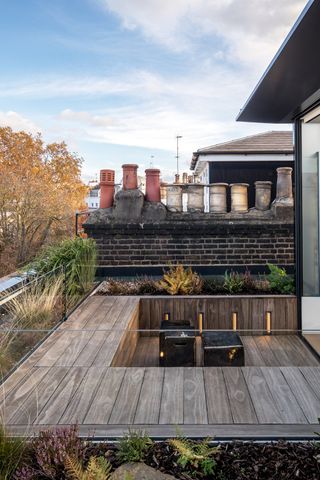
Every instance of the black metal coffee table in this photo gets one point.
(222, 349)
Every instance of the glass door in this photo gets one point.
(310, 170)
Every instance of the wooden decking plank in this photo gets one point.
(80, 402)
(218, 405)
(307, 358)
(305, 396)
(284, 399)
(240, 402)
(13, 380)
(148, 408)
(171, 409)
(37, 400)
(275, 343)
(270, 360)
(125, 406)
(261, 397)
(57, 349)
(312, 376)
(108, 349)
(79, 318)
(101, 407)
(296, 359)
(252, 354)
(103, 318)
(73, 349)
(19, 395)
(89, 353)
(61, 397)
(194, 397)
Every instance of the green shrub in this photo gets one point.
(233, 282)
(133, 447)
(181, 281)
(195, 456)
(11, 453)
(76, 257)
(279, 280)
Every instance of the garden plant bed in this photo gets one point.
(47, 456)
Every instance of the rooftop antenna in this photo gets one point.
(177, 156)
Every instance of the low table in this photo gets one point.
(177, 345)
(222, 349)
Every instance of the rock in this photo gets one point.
(139, 471)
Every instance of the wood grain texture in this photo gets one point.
(148, 408)
(263, 402)
(218, 405)
(240, 401)
(105, 396)
(125, 406)
(171, 410)
(194, 396)
(284, 399)
(307, 399)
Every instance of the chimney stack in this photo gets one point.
(106, 188)
(130, 176)
(153, 185)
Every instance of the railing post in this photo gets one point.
(65, 293)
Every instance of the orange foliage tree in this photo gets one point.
(40, 190)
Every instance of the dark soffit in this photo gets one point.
(291, 83)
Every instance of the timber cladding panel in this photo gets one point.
(204, 243)
(218, 312)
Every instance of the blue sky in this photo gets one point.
(119, 79)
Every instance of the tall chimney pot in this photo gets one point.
(106, 188)
(153, 185)
(130, 176)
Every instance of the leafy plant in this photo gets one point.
(181, 281)
(211, 286)
(133, 447)
(77, 257)
(233, 282)
(98, 469)
(49, 453)
(279, 280)
(195, 456)
(11, 452)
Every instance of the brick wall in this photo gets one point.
(194, 243)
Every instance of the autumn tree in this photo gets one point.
(40, 190)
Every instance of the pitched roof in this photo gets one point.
(267, 142)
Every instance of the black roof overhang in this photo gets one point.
(292, 81)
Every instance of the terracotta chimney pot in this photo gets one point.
(153, 185)
(130, 176)
(106, 188)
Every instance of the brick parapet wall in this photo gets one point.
(194, 243)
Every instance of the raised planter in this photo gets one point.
(218, 312)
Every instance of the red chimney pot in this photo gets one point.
(130, 176)
(106, 188)
(153, 185)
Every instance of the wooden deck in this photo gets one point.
(71, 379)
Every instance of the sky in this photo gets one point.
(118, 80)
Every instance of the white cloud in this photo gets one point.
(251, 29)
(18, 122)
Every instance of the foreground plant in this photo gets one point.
(11, 453)
(233, 282)
(133, 447)
(279, 280)
(98, 469)
(195, 456)
(75, 257)
(49, 452)
(181, 281)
